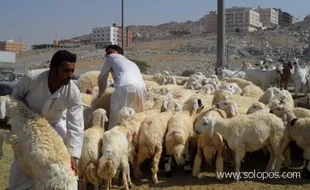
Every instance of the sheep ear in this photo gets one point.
(166, 104)
(105, 118)
(2, 108)
(196, 105)
(232, 109)
(284, 117)
(179, 106)
(211, 129)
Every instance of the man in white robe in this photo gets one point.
(130, 89)
(52, 94)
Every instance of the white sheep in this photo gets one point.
(256, 107)
(248, 133)
(252, 91)
(209, 146)
(90, 154)
(242, 83)
(232, 87)
(125, 114)
(220, 95)
(88, 80)
(207, 89)
(114, 155)
(299, 76)
(229, 107)
(298, 131)
(151, 136)
(271, 93)
(180, 129)
(48, 163)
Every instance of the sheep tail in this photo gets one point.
(91, 173)
(107, 168)
(178, 154)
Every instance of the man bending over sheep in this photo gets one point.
(52, 94)
(130, 90)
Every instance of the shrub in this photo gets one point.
(187, 73)
(143, 65)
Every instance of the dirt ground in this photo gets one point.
(182, 181)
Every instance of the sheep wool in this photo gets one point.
(40, 151)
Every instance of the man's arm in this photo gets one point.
(22, 87)
(103, 76)
(75, 126)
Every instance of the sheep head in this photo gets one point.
(125, 114)
(231, 87)
(172, 104)
(206, 124)
(193, 105)
(256, 107)
(283, 112)
(271, 93)
(230, 107)
(98, 118)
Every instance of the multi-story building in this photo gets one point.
(12, 46)
(103, 36)
(286, 19)
(236, 19)
(210, 22)
(268, 16)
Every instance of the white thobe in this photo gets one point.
(130, 89)
(62, 109)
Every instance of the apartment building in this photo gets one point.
(103, 36)
(268, 16)
(286, 19)
(237, 19)
(12, 46)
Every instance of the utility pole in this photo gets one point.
(220, 35)
(123, 25)
(227, 48)
(20, 49)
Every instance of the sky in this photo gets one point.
(38, 21)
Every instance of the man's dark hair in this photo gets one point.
(116, 48)
(62, 55)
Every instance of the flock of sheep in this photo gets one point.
(185, 119)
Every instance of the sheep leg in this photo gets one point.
(141, 157)
(107, 184)
(271, 159)
(125, 173)
(168, 160)
(96, 187)
(219, 163)
(83, 182)
(3, 136)
(287, 157)
(197, 162)
(156, 158)
(187, 165)
(277, 148)
(239, 154)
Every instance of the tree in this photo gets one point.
(143, 65)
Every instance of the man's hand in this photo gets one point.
(74, 165)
